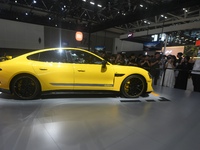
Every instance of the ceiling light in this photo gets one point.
(26, 14)
(141, 5)
(99, 5)
(185, 9)
(92, 3)
(34, 1)
(15, 1)
(84, 0)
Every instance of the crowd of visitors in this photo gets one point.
(173, 71)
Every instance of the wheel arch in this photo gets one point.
(20, 74)
(135, 74)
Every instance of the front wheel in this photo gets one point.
(133, 86)
(25, 87)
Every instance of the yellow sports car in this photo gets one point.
(69, 69)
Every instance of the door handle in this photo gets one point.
(81, 70)
(43, 69)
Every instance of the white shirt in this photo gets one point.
(196, 66)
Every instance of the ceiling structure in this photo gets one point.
(117, 16)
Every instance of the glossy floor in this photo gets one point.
(168, 119)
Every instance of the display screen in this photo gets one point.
(149, 46)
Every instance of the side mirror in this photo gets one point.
(104, 62)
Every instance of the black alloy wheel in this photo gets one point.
(25, 87)
(133, 86)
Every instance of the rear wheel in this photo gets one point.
(25, 87)
(133, 86)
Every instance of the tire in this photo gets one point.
(25, 87)
(133, 86)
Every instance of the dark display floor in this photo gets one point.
(168, 119)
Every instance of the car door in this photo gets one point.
(89, 74)
(53, 70)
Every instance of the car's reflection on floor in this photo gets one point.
(73, 95)
(65, 95)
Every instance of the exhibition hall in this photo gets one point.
(99, 74)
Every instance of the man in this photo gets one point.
(155, 67)
(196, 73)
(179, 58)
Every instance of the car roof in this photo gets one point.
(51, 49)
(57, 48)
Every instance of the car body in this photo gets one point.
(69, 69)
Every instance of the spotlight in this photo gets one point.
(92, 3)
(99, 5)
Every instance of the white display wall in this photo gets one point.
(121, 45)
(20, 35)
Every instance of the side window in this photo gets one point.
(50, 56)
(34, 57)
(81, 57)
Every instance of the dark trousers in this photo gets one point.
(196, 82)
(155, 74)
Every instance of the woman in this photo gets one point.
(168, 77)
(184, 72)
